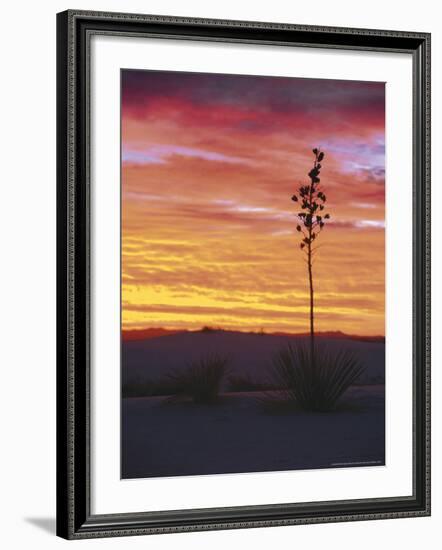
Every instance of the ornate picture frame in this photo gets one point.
(75, 217)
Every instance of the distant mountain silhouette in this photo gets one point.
(337, 335)
(149, 333)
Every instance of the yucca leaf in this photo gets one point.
(318, 388)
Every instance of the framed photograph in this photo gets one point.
(243, 274)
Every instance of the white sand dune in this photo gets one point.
(237, 435)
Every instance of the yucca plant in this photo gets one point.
(201, 380)
(312, 218)
(316, 389)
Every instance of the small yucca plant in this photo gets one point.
(201, 380)
(319, 389)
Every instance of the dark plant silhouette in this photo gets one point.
(201, 380)
(312, 219)
(317, 390)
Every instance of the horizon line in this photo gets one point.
(165, 331)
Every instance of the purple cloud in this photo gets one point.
(159, 154)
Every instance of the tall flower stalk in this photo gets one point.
(312, 219)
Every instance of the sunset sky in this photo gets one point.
(208, 228)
